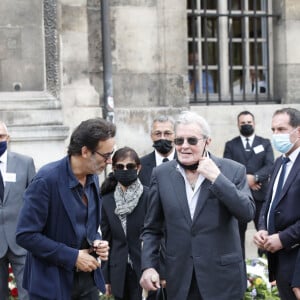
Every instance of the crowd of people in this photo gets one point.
(168, 225)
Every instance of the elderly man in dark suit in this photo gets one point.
(199, 198)
(256, 154)
(162, 135)
(17, 170)
(279, 226)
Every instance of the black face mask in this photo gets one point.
(246, 130)
(189, 167)
(126, 177)
(163, 146)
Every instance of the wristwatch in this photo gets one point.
(256, 178)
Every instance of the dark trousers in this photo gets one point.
(84, 287)
(132, 290)
(285, 290)
(17, 262)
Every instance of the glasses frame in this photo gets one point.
(128, 166)
(159, 134)
(106, 156)
(191, 140)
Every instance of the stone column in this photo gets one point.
(287, 51)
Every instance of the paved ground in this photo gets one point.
(251, 249)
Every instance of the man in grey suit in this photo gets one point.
(199, 198)
(16, 171)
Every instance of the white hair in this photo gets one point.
(188, 117)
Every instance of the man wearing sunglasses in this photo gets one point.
(198, 198)
(162, 135)
(60, 219)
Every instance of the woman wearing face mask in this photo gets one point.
(123, 212)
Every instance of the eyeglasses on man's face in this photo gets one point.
(191, 140)
(159, 134)
(129, 166)
(106, 156)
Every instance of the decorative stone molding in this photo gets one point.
(51, 48)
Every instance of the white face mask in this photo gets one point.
(282, 142)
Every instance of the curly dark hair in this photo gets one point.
(88, 133)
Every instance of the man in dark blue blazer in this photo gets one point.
(279, 226)
(198, 199)
(258, 160)
(59, 222)
(162, 135)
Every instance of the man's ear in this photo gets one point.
(208, 141)
(85, 151)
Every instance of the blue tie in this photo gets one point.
(271, 225)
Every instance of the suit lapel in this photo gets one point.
(203, 196)
(66, 194)
(11, 168)
(178, 182)
(204, 191)
(290, 179)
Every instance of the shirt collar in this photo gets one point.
(250, 138)
(73, 181)
(294, 155)
(3, 158)
(159, 158)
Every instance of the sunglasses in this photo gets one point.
(191, 140)
(129, 166)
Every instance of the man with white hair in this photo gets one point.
(198, 198)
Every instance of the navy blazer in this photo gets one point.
(47, 229)
(210, 242)
(260, 164)
(287, 220)
(121, 245)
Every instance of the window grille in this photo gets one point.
(229, 51)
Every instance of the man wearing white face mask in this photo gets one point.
(279, 226)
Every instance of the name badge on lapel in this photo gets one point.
(9, 177)
(258, 149)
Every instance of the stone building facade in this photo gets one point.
(51, 71)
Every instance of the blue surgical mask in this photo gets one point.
(3, 147)
(282, 142)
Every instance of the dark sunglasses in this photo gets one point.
(129, 166)
(191, 140)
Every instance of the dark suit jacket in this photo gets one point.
(148, 162)
(209, 243)
(114, 270)
(256, 163)
(287, 220)
(47, 229)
